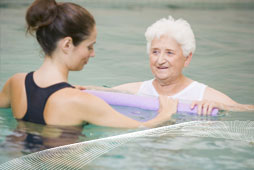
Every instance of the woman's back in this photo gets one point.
(23, 102)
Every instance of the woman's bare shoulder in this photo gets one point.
(18, 77)
(71, 96)
(17, 80)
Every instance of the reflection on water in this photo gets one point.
(79, 155)
(29, 137)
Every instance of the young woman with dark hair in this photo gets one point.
(67, 33)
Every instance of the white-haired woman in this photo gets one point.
(170, 45)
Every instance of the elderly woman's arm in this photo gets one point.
(216, 99)
(129, 87)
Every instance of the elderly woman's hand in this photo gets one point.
(205, 107)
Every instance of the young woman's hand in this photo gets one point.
(168, 105)
(80, 87)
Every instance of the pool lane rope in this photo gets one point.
(76, 156)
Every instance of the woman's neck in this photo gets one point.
(171, 87)
(51, 72)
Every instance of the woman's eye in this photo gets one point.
(170, 53)
(155, 52)
(90, 48)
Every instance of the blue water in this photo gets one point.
(223, 60)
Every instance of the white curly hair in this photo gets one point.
(178, 29)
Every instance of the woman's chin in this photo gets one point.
(81, 68)
(162, 77)
(77, 68)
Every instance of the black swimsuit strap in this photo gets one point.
(37, 98)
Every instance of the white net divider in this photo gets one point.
(76, 156)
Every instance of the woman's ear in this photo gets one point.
(188, 60)
(66, 44)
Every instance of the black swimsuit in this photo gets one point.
(37, 98)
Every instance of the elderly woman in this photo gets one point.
(171, 45)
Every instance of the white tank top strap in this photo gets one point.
(147, 89)
(194, 91)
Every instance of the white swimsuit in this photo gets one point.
(194, 91)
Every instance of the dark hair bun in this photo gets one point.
(40, 13)
(51, 21)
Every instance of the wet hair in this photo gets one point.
(52, 21)
(179, 29)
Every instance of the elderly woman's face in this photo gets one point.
(166, 58)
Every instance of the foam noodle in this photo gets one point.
(142, 102)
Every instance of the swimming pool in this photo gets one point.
(224, 60)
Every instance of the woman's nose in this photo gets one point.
(161, 58)
(92, 54)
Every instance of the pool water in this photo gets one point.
(223, 60)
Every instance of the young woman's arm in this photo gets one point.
(5, 95)
(94, 110)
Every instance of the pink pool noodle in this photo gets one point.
(142, 102)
